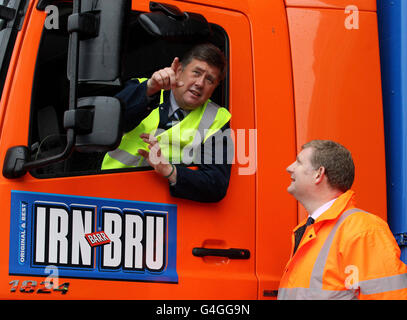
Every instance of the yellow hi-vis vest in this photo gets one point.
(176, 143)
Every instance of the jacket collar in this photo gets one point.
(344, 201)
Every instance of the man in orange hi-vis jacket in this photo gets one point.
(339, 252)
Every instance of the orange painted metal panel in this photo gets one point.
(275, 122)
(235, 5)
(337, 90)
(366, 5)
(227, 224)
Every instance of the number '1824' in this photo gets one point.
(29, 286)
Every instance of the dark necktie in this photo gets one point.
(177, 116)
(300, 232)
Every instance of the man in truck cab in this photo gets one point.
(340, 251)
(170, 121)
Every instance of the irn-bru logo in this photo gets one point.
(92, 237)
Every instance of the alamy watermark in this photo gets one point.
(223, 147)
(52, 19)
(49, 285)
(352, 18)
(352, 281)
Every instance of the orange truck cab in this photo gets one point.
(297, 70)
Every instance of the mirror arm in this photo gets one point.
(53, 159)
(73, 84)
(73, 95)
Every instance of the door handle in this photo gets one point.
(231, 253)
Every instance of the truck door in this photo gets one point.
(160, 246)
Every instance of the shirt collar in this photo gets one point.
(322, 209)
(174, 106)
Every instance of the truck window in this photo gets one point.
(143, 54)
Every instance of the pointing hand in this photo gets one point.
(164, 79)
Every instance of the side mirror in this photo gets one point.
(16, 158)
(97, 122)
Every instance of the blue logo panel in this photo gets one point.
(49, 230)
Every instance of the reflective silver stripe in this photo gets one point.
(315, 294)
(318, 270)
(125, 157)
(315, 291)
(207, 119)
(385, 284)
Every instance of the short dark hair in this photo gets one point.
(337, 161)
(209, 53)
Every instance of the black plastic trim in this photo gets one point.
(231, 253)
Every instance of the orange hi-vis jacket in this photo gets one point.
(346, 254)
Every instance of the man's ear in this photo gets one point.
(320, 173)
